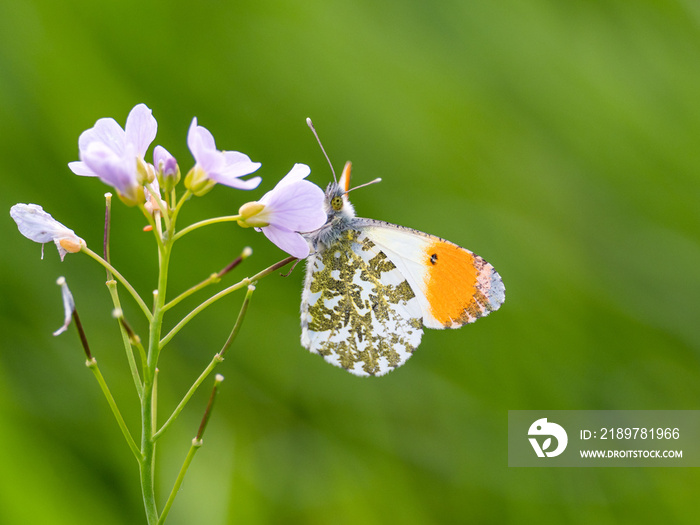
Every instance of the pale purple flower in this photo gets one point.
(214, 166)
(115, 155)
(294, 205)
(35, 224)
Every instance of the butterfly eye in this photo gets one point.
(433, 258)
(337, 203)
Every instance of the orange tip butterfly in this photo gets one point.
(371, 287)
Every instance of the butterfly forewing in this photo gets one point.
(358, 310)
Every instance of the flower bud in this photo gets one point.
(146, 173)
(197, 182)
(250, 214)
(168, 170)
(134, 196)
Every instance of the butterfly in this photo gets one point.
(371, 287)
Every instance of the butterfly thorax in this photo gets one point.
(340, 213)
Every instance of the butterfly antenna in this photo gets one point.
(311, 125)
(378, 179)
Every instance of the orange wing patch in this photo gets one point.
(455, 287)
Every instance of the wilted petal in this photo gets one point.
(37, 225)
(287, 240)
(68, 305)
(34, 223)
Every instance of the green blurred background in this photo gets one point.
(559, 140)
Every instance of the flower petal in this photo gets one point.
(297, 173)
(200, 140)
(119, 171)
(237, 183)
(141, 128)
(287, 240)
(236, 165)
(105, 131)
(297, 206)
(80, 168)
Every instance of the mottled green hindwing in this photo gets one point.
(358, 311)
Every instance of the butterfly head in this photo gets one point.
(339, 210)
(337, 203)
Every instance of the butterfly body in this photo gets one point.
(371, 287)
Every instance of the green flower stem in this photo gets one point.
(92, 365)
(207, 222)
(196, 444)
(134, 339)
(179, 205)
(154, 415)
(213, 278)
(148, 448)
(108, 223)
(112, 287)
(218, 358)
(122, 280)
(239, 321)
(223, 293)
(173, 197)
(215, 361)
(150, 371)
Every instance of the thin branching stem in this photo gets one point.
(108, 225)
(92, 365)
(206, 222)
(114, 294)
(213, 278)
(122, 280)
(223, 293)
(218, 358)
(196, 445)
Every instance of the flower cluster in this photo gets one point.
(157, 188)
(117, 156)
